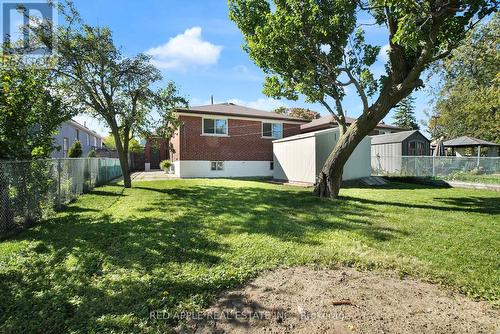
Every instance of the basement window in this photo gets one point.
(217, 165)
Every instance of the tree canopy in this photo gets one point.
(134, 145)
(298, 113)
(101, 81)
(468, 101)
(31, 110)
(317, 48)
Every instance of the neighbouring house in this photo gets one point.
(300, 158)
(327, 122)
(71, 131)
(470, 146)
(223, 140)
(388, 151)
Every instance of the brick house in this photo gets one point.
(223, 140)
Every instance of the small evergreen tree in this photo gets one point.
(75, 151)
(405, 114)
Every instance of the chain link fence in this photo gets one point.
(31, 190)
(433, 166)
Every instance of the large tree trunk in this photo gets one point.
(127, 180)
(330, 178)
(123, 156)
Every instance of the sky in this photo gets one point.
(196, 45)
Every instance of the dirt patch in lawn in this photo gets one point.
(304, 300)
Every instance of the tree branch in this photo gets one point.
(337, 118)
(361, 91)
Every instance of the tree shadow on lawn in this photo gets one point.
(86, 270)
(86, 267)
(484, 205)
(286, 215)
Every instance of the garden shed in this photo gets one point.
(387, 151)
(300, 158)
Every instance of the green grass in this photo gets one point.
(112, 257)
(480, 178)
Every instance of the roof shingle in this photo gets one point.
(397, 137)
(325, 121)
(231, 109)
(468, 141)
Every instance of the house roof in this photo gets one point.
(397, 137)
(327, 121)
(83, 127)
(468, 141)
(231, 109)
(306, 135)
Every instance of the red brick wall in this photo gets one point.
(245, 142)
(176, 146)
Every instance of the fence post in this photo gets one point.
(478, 156)
(59, 184)
(433, 167)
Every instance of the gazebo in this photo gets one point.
(461, 144)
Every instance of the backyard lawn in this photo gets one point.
(113, 256)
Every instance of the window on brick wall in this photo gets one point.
(212, 126)
(272, 130)
(217, 165)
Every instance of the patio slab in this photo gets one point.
(154, 175)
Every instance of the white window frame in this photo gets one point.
(215, 119)
(65, 146)
(272, 131)
(87, 139)
(219, 166)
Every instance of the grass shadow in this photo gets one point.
(283, 214)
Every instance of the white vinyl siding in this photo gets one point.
(216, 165)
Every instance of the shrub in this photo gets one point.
(92, 154)
(165, 165)
(75, 151)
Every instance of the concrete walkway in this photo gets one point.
(470, 185)
(154, 175)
